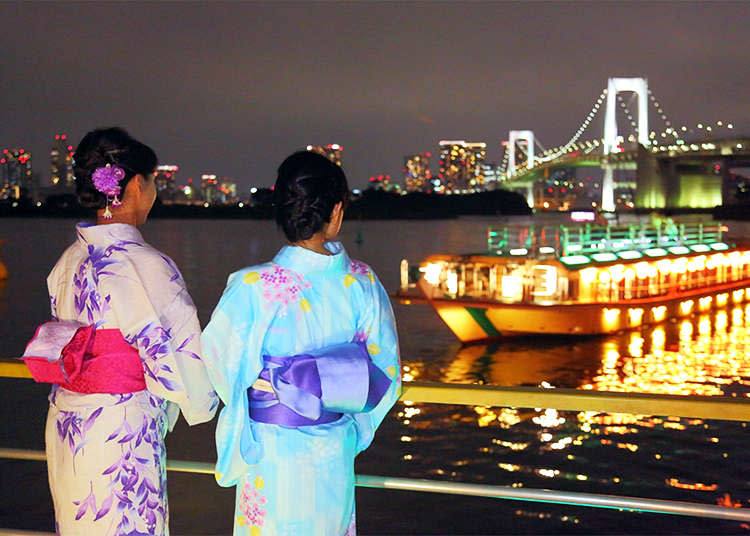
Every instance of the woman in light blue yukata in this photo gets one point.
(303, 352)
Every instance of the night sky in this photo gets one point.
(232, 88)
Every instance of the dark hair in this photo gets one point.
(109, 146)
(307, 188)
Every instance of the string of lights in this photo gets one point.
(677, 142)
(581, 129)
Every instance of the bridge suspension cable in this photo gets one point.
(581, 129)
(626, 108)
(540, 144)
(669, 130)
(551, 154)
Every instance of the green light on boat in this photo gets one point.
(572, 260)
(493, 233)
(655, 252)
(719, 246)
(602, 257)
(574, 247)
(630, 254)
(700, 248)
(679, 250)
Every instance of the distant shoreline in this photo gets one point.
(372, 205)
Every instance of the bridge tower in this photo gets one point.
(639, 86)
(515, 136)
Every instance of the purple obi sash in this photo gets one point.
(317, 388)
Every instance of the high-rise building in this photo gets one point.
(15, 173)
(452, 161)
(417, 172)
(61, 162)
(332, 151)
(476, 152)
(209, 188)
(492, 174)
(166, 180)
(187, 193)
(460, 165)
(228, 191)
(381, 182)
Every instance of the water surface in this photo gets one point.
(657, 457)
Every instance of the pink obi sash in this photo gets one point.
(88, 361)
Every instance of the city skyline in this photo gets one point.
(233, 88)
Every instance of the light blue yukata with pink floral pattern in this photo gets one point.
(105, 452)
(299, 480)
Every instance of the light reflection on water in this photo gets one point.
(651, 456)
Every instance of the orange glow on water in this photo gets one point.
(702, 354)
(698, 486)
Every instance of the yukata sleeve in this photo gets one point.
(232, 343)
(378, 327)
(157, 316)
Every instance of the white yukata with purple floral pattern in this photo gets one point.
(105, 452)
(295, 481)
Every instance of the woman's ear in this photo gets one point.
(141, 181)
(337, 217)
(134, 187)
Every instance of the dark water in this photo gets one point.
(656, 457)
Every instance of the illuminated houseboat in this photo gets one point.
(583, 280)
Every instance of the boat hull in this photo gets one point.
(473, 320)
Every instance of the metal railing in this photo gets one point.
(541, 241)
(721, 408)
(698, 407)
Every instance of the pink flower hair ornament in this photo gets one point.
(107, 180)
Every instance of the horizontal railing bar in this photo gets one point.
(17, 532)
(13, 368)
(180, 466)
(688, 406)
(593, 500)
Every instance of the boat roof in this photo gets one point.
(579, 245)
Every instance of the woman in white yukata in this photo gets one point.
(303, 352)
(123, 353)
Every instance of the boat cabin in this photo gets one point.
(588, 264)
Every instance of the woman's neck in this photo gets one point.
(118, 216)
(315, 243)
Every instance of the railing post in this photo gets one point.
(493, 280)
(404, 275)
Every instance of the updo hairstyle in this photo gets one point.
(307, 188)
(109, 146)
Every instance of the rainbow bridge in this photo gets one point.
(671, 171)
